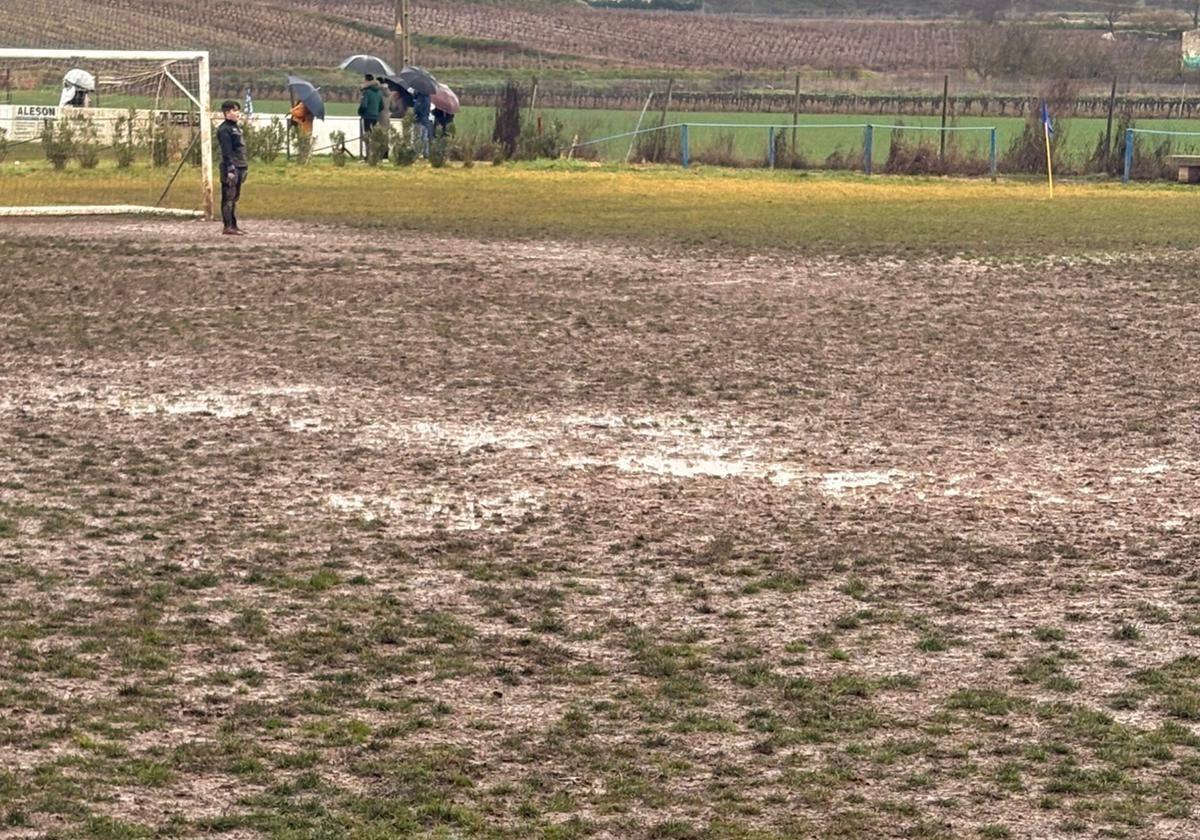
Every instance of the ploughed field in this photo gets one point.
(327, 532)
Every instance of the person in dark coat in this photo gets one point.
(234, 167)
(399, 102)
(370, 106)
(441, 120)
(421, 112)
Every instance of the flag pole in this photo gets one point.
(1049, 162)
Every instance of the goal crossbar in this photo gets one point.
(202, 100)
(107, 55)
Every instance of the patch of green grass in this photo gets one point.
(985, 700)
(1049, 634)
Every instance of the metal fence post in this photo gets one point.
(771, 147)
(1128, 156)
(868, 147)
(684, 153)
(992, 154)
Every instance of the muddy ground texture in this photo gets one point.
(319, 533)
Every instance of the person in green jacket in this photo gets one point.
(370, 106)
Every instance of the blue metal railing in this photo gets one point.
(1131, 139)
(771, 129)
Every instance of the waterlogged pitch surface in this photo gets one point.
(333, 533)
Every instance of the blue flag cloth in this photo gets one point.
(248, 110)
(1046, 121)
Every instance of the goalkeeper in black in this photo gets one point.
(233, 165)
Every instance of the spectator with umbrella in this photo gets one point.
(367, 65)
(370, 106)
(371, 103)
(445, 106)
(307, 106)
(400, 99)
(421, 83)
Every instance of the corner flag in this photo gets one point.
(1046, 121)
(1047, 130)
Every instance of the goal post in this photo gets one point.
(89, 132)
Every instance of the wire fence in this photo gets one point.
(1160, 160)
(857, 146)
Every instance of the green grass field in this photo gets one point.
(743, 209)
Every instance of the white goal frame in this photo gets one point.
(203, 102)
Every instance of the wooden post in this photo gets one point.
(945, 104)
(402, 41)
(795, 114)
(636, 128)
(1112, 104)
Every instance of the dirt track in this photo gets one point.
(645, 537)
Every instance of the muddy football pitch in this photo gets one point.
(329, 532)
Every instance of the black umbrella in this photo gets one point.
(394, 84)
(367, 65)
(418, 80)
(307, 93)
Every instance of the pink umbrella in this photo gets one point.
(445, 99)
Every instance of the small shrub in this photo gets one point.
(264, 143)
(718, 151)
(58, 143)
(465, 147)
(404, 149)
(439, 151)
(377, 145)
(304, 148)
(1111, 159)
(3, 144)
(547, 144)
(787, 154)
(154, 136)
(837, 159)
(87, 142)
(338, 149)
(124, 147)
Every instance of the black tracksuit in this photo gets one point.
(233, 170)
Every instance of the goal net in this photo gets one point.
(86, 132)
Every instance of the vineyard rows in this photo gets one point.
(272, 33)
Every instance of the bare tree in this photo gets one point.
(1191, 7)
(1005, 50)
(1113, 12)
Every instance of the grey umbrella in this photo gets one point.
(307, 93)
(418, 80)
(367, 65)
